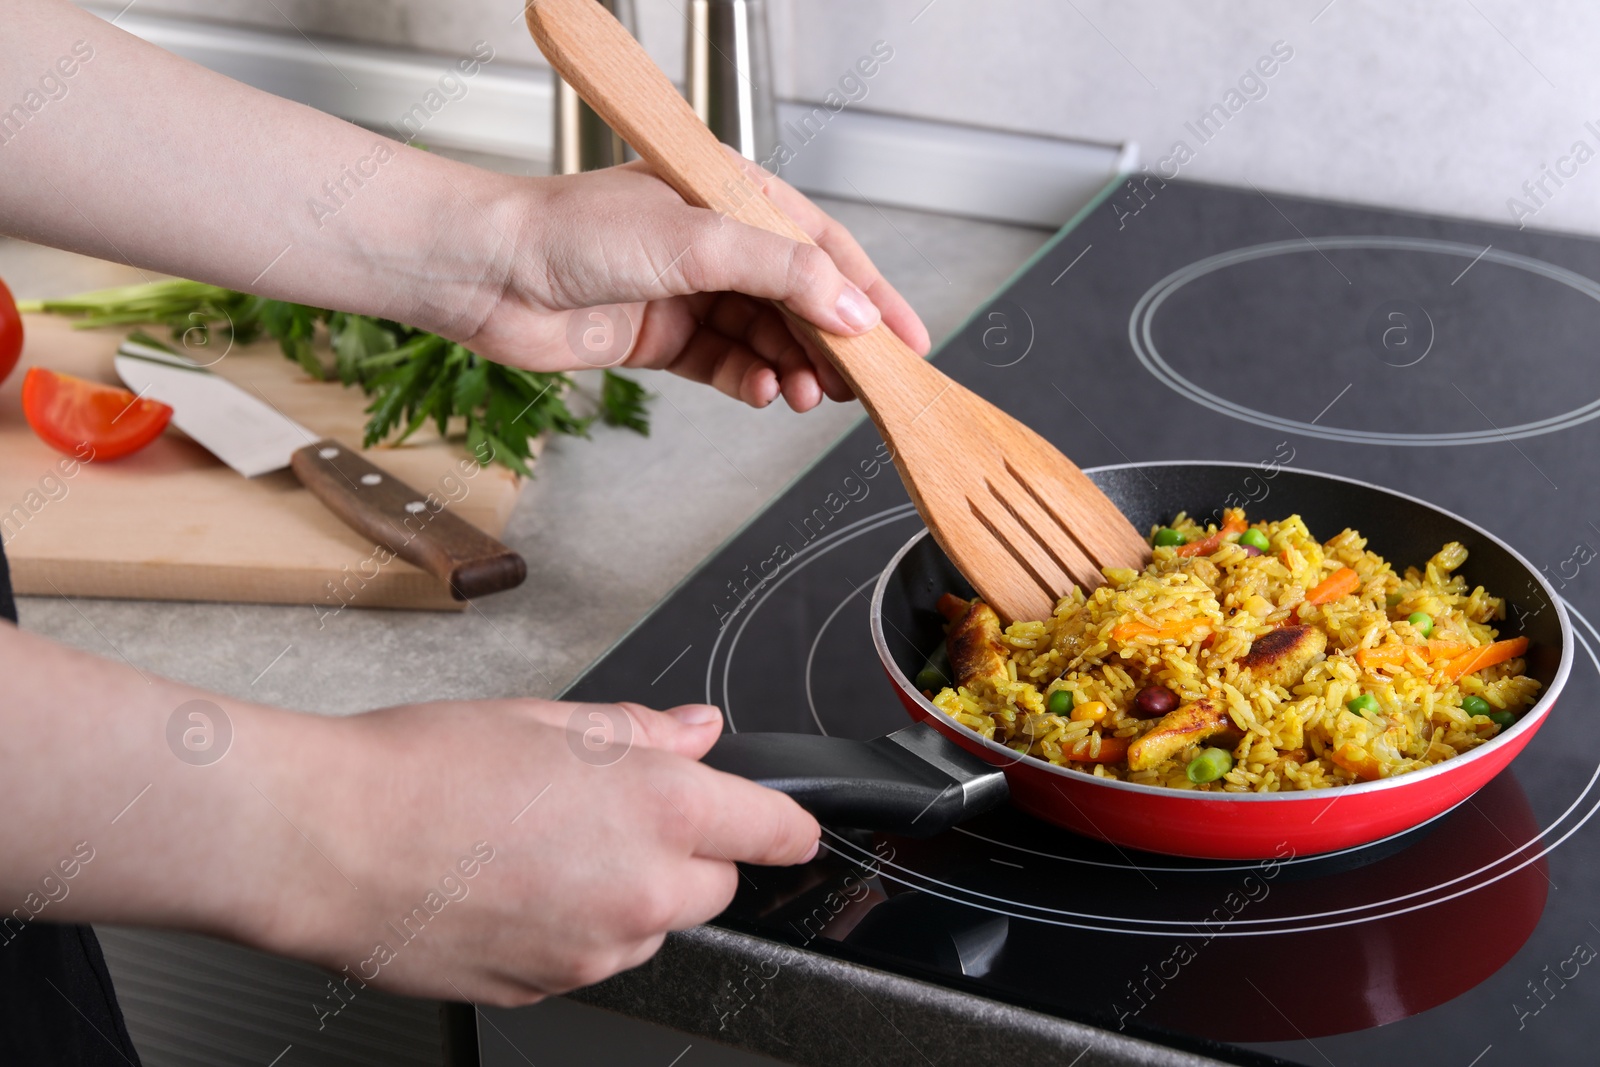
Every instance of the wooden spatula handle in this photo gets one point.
(415, 526)
(617, 78)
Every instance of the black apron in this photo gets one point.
(56, 1001)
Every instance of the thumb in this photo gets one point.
(719, 254)
(688, 730)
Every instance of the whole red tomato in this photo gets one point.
(10, 332)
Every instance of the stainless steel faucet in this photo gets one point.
(582, 139)
(729, 74)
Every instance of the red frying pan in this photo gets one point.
(927, 777)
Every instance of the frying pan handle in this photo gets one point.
(914, 782)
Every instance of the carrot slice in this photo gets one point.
(1353, 759)
(1127, 631)
(1341, 582)
(1388, 657)
(1112, 750)
(1485, 656)
(1233, 523)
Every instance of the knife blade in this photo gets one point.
(245, 432)
(254, 437)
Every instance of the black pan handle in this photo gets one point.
(914, 782)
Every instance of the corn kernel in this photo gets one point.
(1090, 711)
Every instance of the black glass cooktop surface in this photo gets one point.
(1450, 360)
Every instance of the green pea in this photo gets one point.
(1060, 702)
(1476, 706)
(1255, 539)
(1209, 765)
(1393, 599)
(1502, 719)
(1167, 537)
(1421, 621)
(1365, 704)
(931, 677)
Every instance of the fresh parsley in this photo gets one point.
(411, 377)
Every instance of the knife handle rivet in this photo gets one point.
(327, 453)
(371, 479)
(416, 506)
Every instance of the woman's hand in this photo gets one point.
(485, 850)
(687, 280)
(559, 843)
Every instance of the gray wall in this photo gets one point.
(1446, 106)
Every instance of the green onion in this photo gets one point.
(410, 376)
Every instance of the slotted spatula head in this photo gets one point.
(1019, 519)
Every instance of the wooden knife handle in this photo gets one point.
(617, 78)
(415, 526)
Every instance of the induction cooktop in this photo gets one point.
(1451, 360)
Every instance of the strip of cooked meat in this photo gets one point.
(1176, 731)
(1282, 656)
(976, 654)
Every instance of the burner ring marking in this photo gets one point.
(1144, 346)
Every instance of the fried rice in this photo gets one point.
(1335, 692)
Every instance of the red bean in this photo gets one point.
(1154, 700)
(1251, 550)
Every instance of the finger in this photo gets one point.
(778, 357)
(834, 387)
(834, 239)
(729, 366)
(688, 730)
(701, 252)
(709, 886)
(802, 388)
(497, 990)
(765, 331)
(737, 821)
(745, 376)
(644, 950)
(800, 376)
(805, 373)
(744, 370)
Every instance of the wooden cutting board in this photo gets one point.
(171, 522)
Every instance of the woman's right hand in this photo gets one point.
(589, 831)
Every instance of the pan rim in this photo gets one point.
(1525, 725)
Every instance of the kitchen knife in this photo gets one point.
(253, 437)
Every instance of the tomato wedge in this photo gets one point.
(10, 332)
(87, 419)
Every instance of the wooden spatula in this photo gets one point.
(1017, 517)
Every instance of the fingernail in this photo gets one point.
(816, 846)
(695, 714)
(855, 309)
